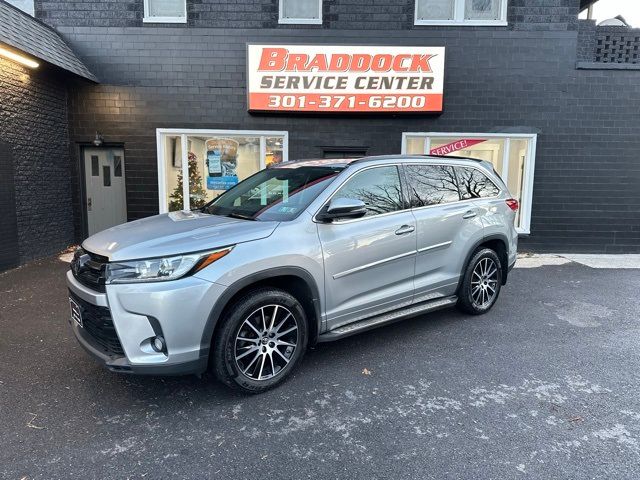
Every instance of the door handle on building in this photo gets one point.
(469, 214)
(404, 229)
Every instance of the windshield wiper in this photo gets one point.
(240, 216)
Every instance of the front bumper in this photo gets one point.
(176, 310)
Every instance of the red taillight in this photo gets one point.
(512, 203)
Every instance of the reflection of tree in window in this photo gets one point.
(379, 188)
(481, 5)
(474, 184)
(431, 185)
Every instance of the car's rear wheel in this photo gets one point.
(262, 339)
(481, 282)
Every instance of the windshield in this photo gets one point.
(278, 194)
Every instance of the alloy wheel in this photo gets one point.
(266, 342)
(484, 283)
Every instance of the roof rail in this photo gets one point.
(457, 157)
(485, 163)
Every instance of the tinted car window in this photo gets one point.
(379, 188)
(278, 194)
(431, 185)
(474, 184)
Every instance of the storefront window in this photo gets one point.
(489, 149)
(172, 154)
(274, 153)
(213, 162)
(512, 156)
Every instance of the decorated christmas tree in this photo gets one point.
(197, 194)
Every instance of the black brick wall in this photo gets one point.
(33, 115)
(8, 226)
(585, 192)
(337, 14)
(586, 41)
(537, 15)
(519, 77)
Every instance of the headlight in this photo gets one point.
(162, 269)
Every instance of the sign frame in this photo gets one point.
(332, 112)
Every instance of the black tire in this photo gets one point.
(244, 320)
(474, 291)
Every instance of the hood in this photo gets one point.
(174, 233)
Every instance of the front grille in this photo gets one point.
(98, 325)
(90, 269)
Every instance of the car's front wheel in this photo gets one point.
(261, 340)
(481, 282)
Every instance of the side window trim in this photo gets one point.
(352, 175)
(455, 174)
(404, 187)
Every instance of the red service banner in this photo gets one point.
(332, 78)
(455, 146)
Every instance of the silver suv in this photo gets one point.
(304, 252)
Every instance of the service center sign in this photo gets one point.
(338, 78)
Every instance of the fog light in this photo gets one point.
(158, 344)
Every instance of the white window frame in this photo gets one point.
(458, 17)
(148, 19)
(183, 133)
(529, 166)
(298, 21)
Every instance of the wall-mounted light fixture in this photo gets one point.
(16, 57)
(98, 140)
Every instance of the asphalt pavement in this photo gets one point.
(546, 385)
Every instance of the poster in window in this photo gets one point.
(221, 163)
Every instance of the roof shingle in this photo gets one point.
(20, 30)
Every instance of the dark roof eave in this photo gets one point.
(20, 31)
(584, 4)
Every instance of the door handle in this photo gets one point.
(404, 229)
(469, 214)
(89, 204)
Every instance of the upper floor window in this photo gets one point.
(301, 11)
(24, 5)
(165, 11)
(461, 12)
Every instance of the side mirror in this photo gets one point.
(342, 208)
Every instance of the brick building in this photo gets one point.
(552, 101)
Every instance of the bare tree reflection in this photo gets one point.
(380, 198)
(378, 188)
(474, 184)
(431, 185)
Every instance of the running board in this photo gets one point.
(386, 318)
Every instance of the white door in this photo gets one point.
(105, 188)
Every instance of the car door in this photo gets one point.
(369, 262)
(446, 229)
(480, 191)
